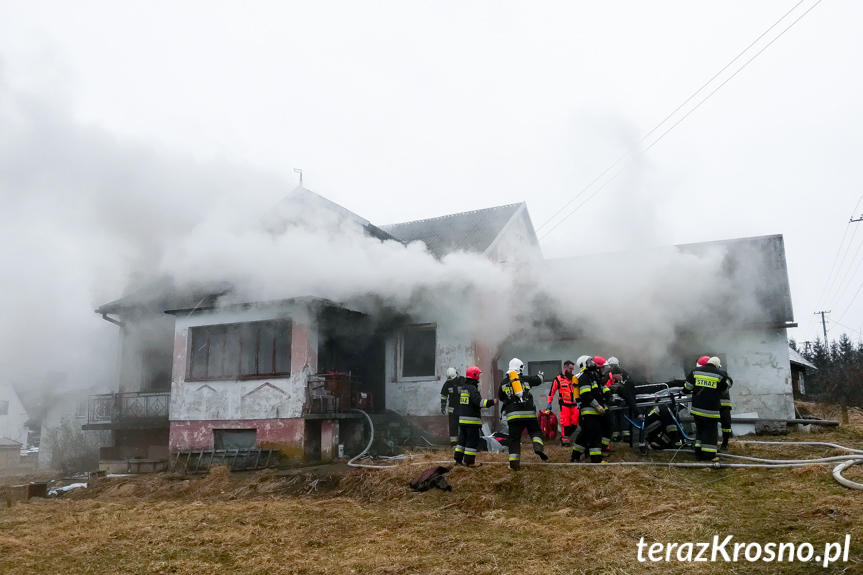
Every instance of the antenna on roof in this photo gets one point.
(300, 172)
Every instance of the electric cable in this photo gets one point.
(642, 152)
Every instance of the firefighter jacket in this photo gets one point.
(591, 392)
(725, 401)
(513, 407)
(449, 393)
(470, 402)
(567, 388)
(706, 384)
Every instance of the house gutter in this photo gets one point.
(112, 320)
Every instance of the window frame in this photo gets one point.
(415, 328)
(226, 335)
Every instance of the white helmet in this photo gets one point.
(715, 361)
(612, 361)
(582, 361)
(451, 373)
(516, 364)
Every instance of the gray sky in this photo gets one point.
(123, 126)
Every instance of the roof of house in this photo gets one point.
(795, 357)
(301, 196)
(6, 442)
(473, 231)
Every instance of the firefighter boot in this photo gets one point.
(514, 463)
(725, 438)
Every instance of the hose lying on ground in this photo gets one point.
(369, 446)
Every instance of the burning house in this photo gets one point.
(277, 367)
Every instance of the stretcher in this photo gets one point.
(649, 396)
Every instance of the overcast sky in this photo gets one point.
(123, 124)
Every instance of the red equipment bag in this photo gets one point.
(548, 424)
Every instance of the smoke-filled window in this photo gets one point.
(419, 347)
(230, 351)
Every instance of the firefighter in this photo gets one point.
(469, 419)
(660, 430)
(590, 392)
(578, 448)
(725, 415)
(520, 411)
(706, 384)
(568, 394)
(621, 387)
(449, 398)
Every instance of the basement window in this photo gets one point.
(235, 438)
(240, 350)
(418, 351)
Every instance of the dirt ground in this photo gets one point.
(545, 519)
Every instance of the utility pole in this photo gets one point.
(300, 172)
(807, 346)
(824, 326)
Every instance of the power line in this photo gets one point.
(630, 152)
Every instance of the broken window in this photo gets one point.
(231, 351)
(419, 347)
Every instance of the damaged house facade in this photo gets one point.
(200, 370)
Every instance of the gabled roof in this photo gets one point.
(303, 198)
(475, 231)
(795, 357)
(6, 442)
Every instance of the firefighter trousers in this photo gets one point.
(590, 438)
(468, 443)
(453, 428)
(706, 437)
(516, 429)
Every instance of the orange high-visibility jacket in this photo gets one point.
(566, 388)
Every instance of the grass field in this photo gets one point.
(545, 519)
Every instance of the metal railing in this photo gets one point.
(118, 407)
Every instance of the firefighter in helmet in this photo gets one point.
(469, 418)
(706, 384)
(449, 398)
(591, 403)
(520, 411)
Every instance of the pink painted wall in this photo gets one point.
(284, 434)
(303, 352)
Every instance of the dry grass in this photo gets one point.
(545, 519)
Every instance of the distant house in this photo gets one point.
(13, 415)
(202, 371)
(800, 367)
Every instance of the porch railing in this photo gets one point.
(119, 407)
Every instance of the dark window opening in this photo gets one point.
(551, 368)
(235, 438)
(261, 348)
(419, 347)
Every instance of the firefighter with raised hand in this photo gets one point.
(520, 411)
(706, 384)
(590, 389)
(567, 392)
(469, 418)
(449, 398)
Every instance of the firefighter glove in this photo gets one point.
(548, 407)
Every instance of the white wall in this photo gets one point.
(757, 360)
(276, 397)
(421, 396)
(12, 424)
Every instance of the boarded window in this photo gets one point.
(235, 438)
(419, 347)
(230, 351)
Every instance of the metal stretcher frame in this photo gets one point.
(645, 401)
